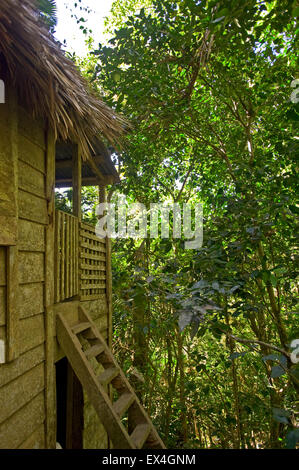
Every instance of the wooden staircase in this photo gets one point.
(86, 351)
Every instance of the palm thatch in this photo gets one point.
(48, 81)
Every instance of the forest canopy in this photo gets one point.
(207, 335)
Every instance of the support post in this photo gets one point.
(50, 390)
(103, 199)
(77, 180)
(12, 320)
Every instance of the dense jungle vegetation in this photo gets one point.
(207, 335)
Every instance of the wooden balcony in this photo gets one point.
(80, 260)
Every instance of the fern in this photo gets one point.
(48, 11)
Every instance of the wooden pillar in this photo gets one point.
(77, 180)
(50, 327)
(9, 170)
(12, 320)
(103, 199)
(77, 196)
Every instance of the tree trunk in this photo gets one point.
(239, 440)
(183, 436)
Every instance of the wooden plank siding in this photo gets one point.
(25, 362)
(36, 440)
(22, 424)
(16, 395)
(22, 381)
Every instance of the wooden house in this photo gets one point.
(59, 381)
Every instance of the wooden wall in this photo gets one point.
(3, 303)
(27, 393)
(22, 381)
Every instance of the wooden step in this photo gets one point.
(108, 375)
(80, 327)
(140, 435)
(139, 432)
(120, 384)
(123, 403)
(94, 351)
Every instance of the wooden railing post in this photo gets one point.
(49, 295)
(103, 199)
(66, 256)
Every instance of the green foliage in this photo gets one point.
(121, 10)
(89, 200)
(207, 86)
(48, 11)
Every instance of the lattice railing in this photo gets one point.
(92, 263)
(66, 256)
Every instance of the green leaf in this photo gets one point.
(221, 15)
(116, 76)
(295, 12)
(281, 415)
(294, 209)
(292, 115)
(271, 357)
(292, 438)
(234, 355)
(218, 19)
(200, 367)
(201, 332)
(295, 373)
(277, 371)
(233, 289)
(273, 280)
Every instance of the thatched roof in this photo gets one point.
(48, 81)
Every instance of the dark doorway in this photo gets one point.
(69, 407)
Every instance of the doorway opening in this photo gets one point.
(69, 407)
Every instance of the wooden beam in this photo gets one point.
(63, 164)
(86, 181)
(103, 199)
(99, 175)
(57, 256)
